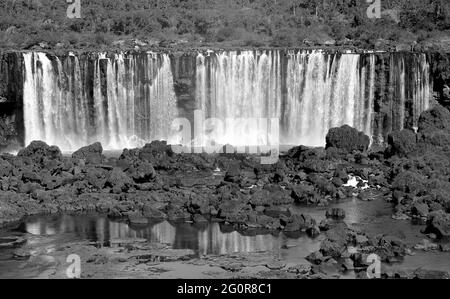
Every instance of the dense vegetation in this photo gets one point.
(27, 23)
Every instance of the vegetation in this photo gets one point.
(27, 23)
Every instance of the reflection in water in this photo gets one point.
(208, 239)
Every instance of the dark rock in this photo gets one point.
(233, 174)
(438, 223)
(91, 154)
(401, 143)
(118, 181)
(420, 209)
(315, 258)
(348, 139)
(298, 223)
(304, 193)
(38, 150)
(142, 172)
(96, 177)
(435, 119)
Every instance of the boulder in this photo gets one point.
(298, 223)
(401, 143)
(91, 154)
(38, 150)
(435, 119)
(348, 139)
(118, 181)
(438, 223)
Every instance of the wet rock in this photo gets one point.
(438, 223)
(150, 212)
(91, 154)
(401, 143)
(299, 223)
(38, 150)
(5, 168)
(304, 193)
(118, 181)
(233, 174)
(96, 177)
(276, 265)
(426, 245)
(142, 172)
(315, 258)
(137, 218)
(435, 119)
(348, 139)
(420, 209)
(409, 182)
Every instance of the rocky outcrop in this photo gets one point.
(348, 139)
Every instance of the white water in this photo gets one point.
(127, 100)
(128, 108)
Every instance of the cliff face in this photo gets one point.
(395, 83)
(11, 95)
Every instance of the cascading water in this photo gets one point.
(126, 100)
(132, 100)
(308, 91)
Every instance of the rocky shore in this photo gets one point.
(153, 184)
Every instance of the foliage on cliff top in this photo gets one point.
(25, 23)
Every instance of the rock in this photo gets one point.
(335, 213)
(142, 172)
(137, 218)
(435, 119)
(304, 193)
(276, 265)
(444, 247)
(5, 168)
(401, 143)
(315, 258)
(409, 182)
(300, 269)
(438, 223)
(348, 139)
(38, 150)
(11, 242)
(153, 214)
(118, 181)
(96, 177)
(298, 223)
(91, 154)
(233, 174)
(430, 275)
(420, 209)
(426, 246)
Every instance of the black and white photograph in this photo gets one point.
(223, 145)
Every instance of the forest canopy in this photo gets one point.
(255, 23)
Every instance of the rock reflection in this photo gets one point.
(207, 239)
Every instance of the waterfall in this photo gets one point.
(132, 102)
(124, 100)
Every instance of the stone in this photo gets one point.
(348, 139)
(401, 143)
(438, 223)
(91, 154)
